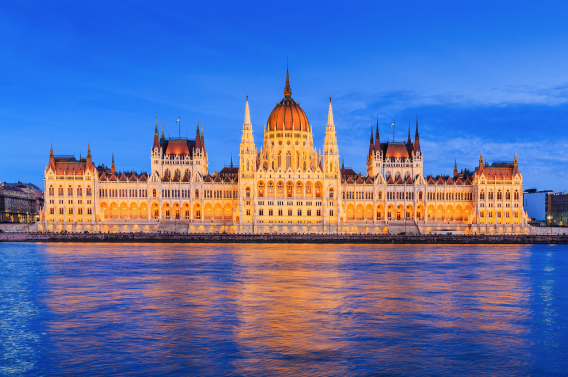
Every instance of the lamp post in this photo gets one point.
(549, 224)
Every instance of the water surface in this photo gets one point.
(330, 310)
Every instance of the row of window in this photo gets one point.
(290, 212)
(289, 203)
(499, 195)
(79, 211)
(60, 191)
(220, 194)
(123, 193)
(299, 190)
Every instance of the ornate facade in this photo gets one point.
(287, 186)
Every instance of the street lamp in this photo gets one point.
(549, 224)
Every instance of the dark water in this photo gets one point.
(96, 309)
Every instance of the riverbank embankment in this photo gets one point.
(283, 238)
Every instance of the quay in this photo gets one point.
(284, 238)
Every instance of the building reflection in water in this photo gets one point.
(287, 309)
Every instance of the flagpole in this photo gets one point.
(179, 127)
(393, 127)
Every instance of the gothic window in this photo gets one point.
(516, 195)
(51, 191)
(261, 189)
(79, 191)
(380, 195)
(499, 195)
(270, 187)
(304, 165)
(297, 160)
(490, 195)
(289, 188)
(508, 195)
(420, 195)
(318, 189)
(70, 191)
(280, 188)
(196, 194)
(288, 160)
(247, 192)
(167, 173)
(279, 160)
(89, 192)
(482, 195)
(331, 192)
(299, 188)
(177, 172)
(308, 188)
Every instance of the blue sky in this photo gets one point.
(489, 75)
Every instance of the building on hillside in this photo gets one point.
(18, 203)
(557, 214)
(286, 186)
(536, 205)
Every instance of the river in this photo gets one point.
(293, 310)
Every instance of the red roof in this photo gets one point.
(177, 147)
(397, 150)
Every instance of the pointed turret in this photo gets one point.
(112, 167)
(231, 160)
(408, 141)
(156, 135)
(247, 155)
(163, 135)
(371, 145)
(197, 136)
(455, 169)
(51, 163)
(515, 165)
(330, 149)
(481, 161)
(202, 138)
(342, 163)
(287, 89)
(416, 139)
(377, 141)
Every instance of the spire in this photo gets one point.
(51, 151)
(377, 141)
(231, 160)
(247, 112)
(287, 89)
(371, 145)
(330, 114)
(515, 164)
(112, 167)
(342, 163)
(481, 160)
(202, 138)
(163, 135)
(408, 141)
(156, 135)
(89, 151)
(416, 138)
(455, 169)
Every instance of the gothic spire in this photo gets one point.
(112, 167)
(247, 113)
(163, 135)
(287, 89)
(416, 138)
(330, 114)
(51, 151)
(408, 141)
(455, 169)
(377, 141)
(88, 151)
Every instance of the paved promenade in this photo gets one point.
(283, 238)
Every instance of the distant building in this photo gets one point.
(18, 202)
(536, 204)
(558, 209)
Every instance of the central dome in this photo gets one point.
(287, 115)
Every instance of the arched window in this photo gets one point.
(288, 160)
(289, 189)
(516, 195)
(279, 160)
(89, 192)
(419, 195)
(79, 191)
(490, 196)
(248, 166)
(304, 165)
(187, 173)
(261, 189)
(299, 188)
(309, 188)
(508, 195)
(196, 194)
(499, 195)
(51, 190)
(177, 173)
(70, 191)
(297, 160)
(153, 193)
(331, 192)
(318, 190)
(247, 192)
(280, 188)
(380, 196)
(167, 172)
(270, 187)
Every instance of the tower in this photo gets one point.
(247, 168)
(371, 155)
(330, 149)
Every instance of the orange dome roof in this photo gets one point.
(287, 115)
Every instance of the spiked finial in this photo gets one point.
(330, 114)
(408, 141)
(112, 167)
(51, 150)
(247, 113)
(231, 160)
(197, 133)
(163, 135)
(88, 151)
(515, 161)
(287, 89)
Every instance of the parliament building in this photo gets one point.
(287, 186)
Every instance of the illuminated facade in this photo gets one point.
(287, 186)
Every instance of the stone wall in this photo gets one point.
(549, 230)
